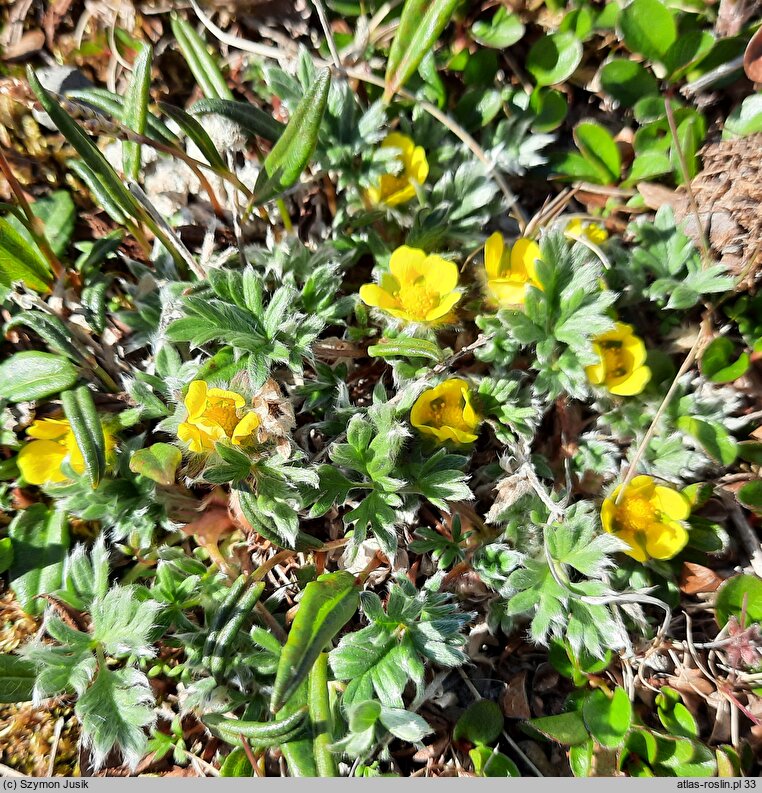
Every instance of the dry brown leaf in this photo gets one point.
(752, 58)
(514, 700)
(695, 578)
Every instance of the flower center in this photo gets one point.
(614, 358)
(447, 414)
(222, 412)
(417, 300)
(637, 514)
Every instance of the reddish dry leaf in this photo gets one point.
(210, 525)
(752, 58)
(514, 700)
(695, 578)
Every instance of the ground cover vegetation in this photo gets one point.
(380, 388)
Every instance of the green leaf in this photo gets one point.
(6, 554)
(554, 58)
(501, 32)
(648, 28)
(202, 65)
(627, 81)
(247, 116)
(421, 23)
(21, 260)
(32, 375)
(566, 728)
(713, 437)
(598, 146)
(289, 157)
(608, 718)
(734, 594)
(57, 213)
(687, 50)
(114, 712)
(675, 717)
(550, 108)
(40, 540)
(717, 364)
(750, 495)
(123, 623)
(581, 758)
(158, 462)
(92, 158)
(481, 722)
(236, 764)
(196, 132)
(407, 348)
(17, 676)
(326, 606)
(51, 329)
(136, 109)
(648, 166)
(80, 411)
(321, 717)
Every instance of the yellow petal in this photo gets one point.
(608, 511)
(245, 428)
(596, 373)
(40, 461)
(406, 264)
(374, 295)
(632, 384)
(75, 457)
(671, 503)
(444, 307)
(665, 540)
(440, 275)
(573, 228)
(493, 255)
(48, 429)
(418, 167)
(507, 292)
(641, 486)
(195, 399)
(636, 350)
(523, 256)
(470, 416)
(219, 393)
(636, 550)
(197, 440)
(400, 196)
(396, 140)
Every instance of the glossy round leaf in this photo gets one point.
(732, 595)
(718, 363)
(502, 31)
(553, 59)
(648, 28)
(481, 722)
(608, 718)
(628, 81)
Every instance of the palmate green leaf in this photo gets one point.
(114, 713)
(32, 375)
(122, 622)
(105, 176)
(40, 540)
(136, 109)
(289, 157)
(377, 512)
(17, 676)
(21, 261)
(202, 65)
(326, 606)
(80, 411)
(421, 23)
(247, 116)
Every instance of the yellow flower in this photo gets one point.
(213, 416)
(622, 370)
(420, 288)
(509, 270)
(577, 228)
(396, 189)
(648, 518)
(54, 443)
(446, 412)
